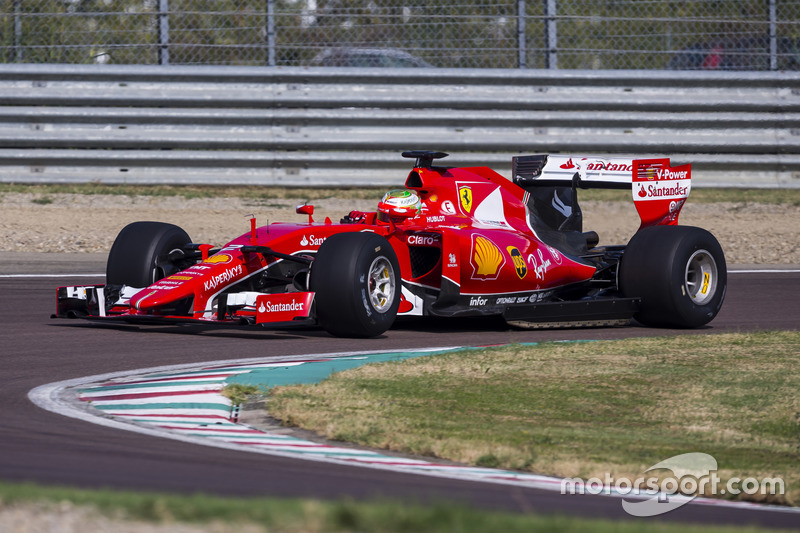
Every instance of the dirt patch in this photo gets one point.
(750, 233)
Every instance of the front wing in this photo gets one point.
(244, 308)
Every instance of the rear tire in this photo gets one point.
(356, 278)
(679, 272)
(138, 257)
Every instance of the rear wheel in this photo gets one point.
(356, 278)
(140, 254)
(679, 272)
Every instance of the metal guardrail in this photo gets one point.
(335, 126)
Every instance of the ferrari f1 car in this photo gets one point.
(454, 242)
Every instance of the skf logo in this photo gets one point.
(219, 259)
(519, 261)
(486, 258)
(465, 195)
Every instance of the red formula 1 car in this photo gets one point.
(455, 242)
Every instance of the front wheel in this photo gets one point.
(356, 278)
(139, 255)
(679, 272)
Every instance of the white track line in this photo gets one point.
(765, 271)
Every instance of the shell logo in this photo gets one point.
(219, 259)
(181, 278)
(486, 258)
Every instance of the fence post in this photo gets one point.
(163, 32)
(551, 37)
(17, 32)
(271, 33)
(521, 41)
(773, 35)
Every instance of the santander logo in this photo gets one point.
(656, 191)
(280, 307)
(313, 241)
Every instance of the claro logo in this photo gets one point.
(224, 277)
(423, 240)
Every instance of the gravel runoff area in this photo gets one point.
(752, 234)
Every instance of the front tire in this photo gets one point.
(680, 274)
(138, 257)
(356, 278)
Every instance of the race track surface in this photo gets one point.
(47, 448)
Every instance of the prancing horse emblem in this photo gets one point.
(465, 194)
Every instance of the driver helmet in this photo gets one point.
(398, 205)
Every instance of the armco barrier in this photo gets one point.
(335, 126)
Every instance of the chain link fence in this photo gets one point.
(563, 34)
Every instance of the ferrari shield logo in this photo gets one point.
(519, 261)
(465, 194)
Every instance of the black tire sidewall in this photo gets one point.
(133, 256)
(340, 280)
(654, 269)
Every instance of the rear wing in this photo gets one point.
(658, 189)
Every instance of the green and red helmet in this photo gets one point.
(398, 205)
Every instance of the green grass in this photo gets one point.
(239, 393)
(42, 200)
(304, 515)
(576, 409)
(266, 193)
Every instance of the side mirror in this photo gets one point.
(306, 210)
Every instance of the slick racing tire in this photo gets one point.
(679, 272)
(138, 257)
(356, 278)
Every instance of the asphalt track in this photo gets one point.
(36, 445)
